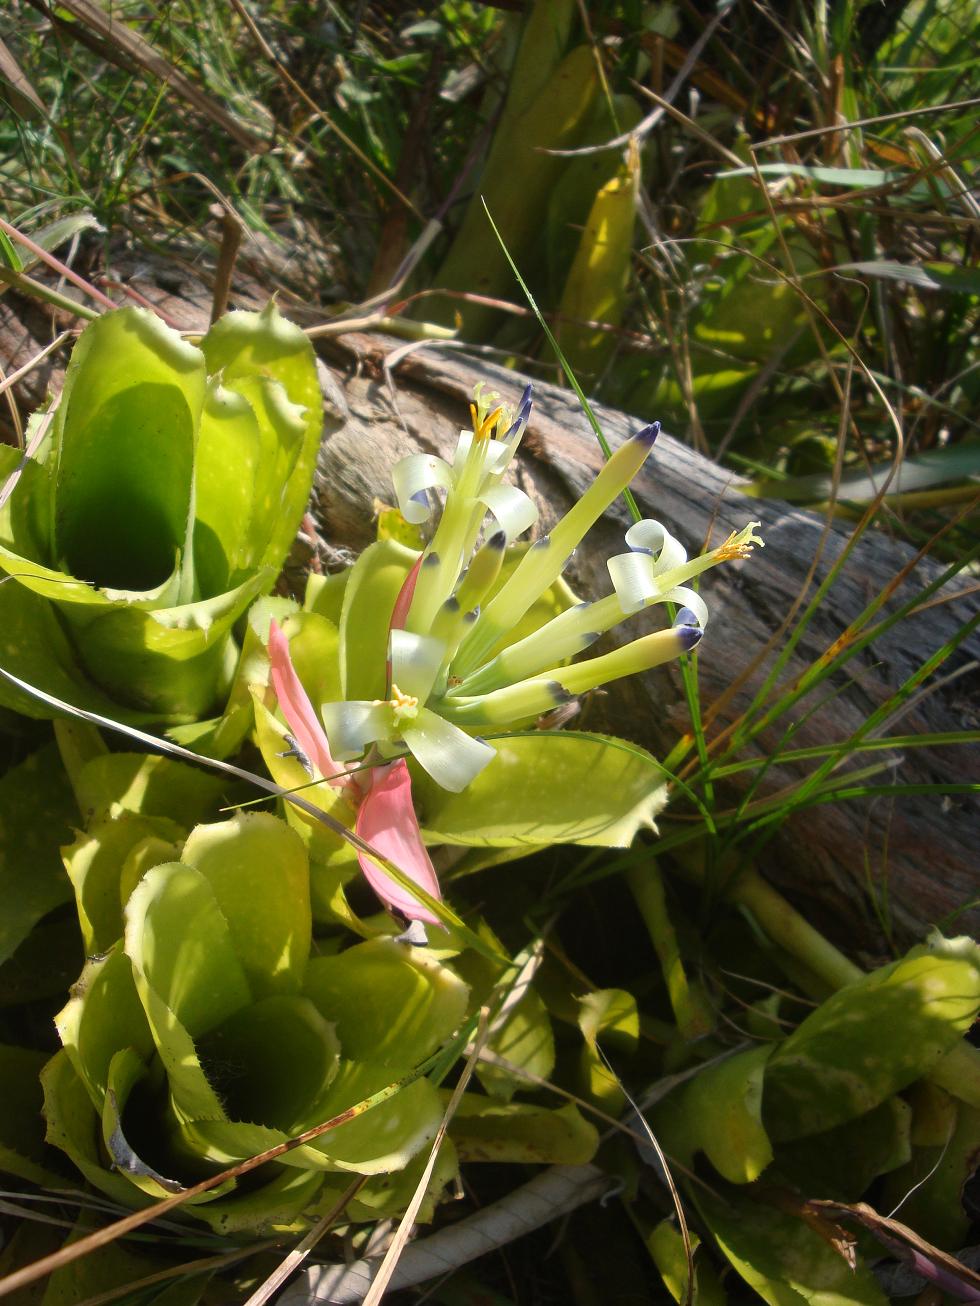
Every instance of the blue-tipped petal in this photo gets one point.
(648, 434)
(686, 618)
(689, 636)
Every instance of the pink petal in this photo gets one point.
(303, 722)
(399, 614)
(387, 821)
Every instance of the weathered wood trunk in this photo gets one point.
(911, 859)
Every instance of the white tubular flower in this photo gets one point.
(473, 485)
(657, 567)
(451, 756)
(451, 670)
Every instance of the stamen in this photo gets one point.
(405, 707)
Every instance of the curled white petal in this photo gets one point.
(654, 538)
(514, 511)
(498, 456)
(415, 662)
(462, 451)
(451, 756)
(413, 477)
(352, 726)
(633, 579)
(688, 598)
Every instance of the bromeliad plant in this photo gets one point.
(160, 501)
(446, 657)
(209, 1026)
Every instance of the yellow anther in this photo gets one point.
(739, 544)
(404, 706)
(485, 428)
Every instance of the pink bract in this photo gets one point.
(386, 820)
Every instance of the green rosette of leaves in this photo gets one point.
(208, 1033)
(161, 501)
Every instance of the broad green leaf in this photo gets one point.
(35, 648)
(251, 347)
(272, 1208)
(37, 810)
(315, 651)
(73, 1126)
(147, 785)
(846, 1057)
(391, 1004)
(325, 594)
(523, 1037)
(257, 869)
(22, 1148)
(720, 1113)
(175, 661)
(123, 448)
(666, 1247)
(544, 788)
(182, 948)
(276, 1060)
(488, 1130)
(369, 597)
(385, 1196)
(388, 1135)
(781, 1257)
(103, 1015)
(95, 864)
(842, 1163)
(227, 485)
(126, 1071)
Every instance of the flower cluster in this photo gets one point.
(455, 670)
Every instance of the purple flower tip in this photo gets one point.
(689, 637)
(498, 540)
(648, 434)
(686, 618)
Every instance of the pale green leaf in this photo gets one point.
(544, 788)
(720, 1113)
(257, 869)
(487, 1130)
(782, 1258)
(873, 1038)
(251, 347)
(182, 948)
(123, 449)
(95, 862)
(147, 785)
(369, 597)
(273, 1061)
(842, 1163)
(103, 1015)
(392, 1004)
(666, 1247)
